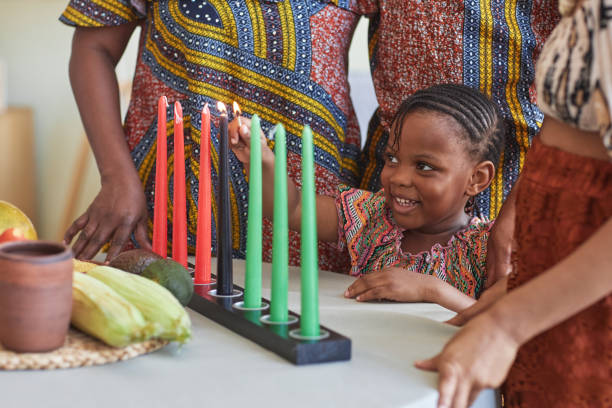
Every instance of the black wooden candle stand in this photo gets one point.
(275, 338)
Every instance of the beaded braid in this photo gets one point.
(477, 115)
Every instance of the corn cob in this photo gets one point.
(156, 303)
(101, 312)
(82, 266)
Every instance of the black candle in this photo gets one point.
(225, 284)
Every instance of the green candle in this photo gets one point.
(280, 238)
(254, 316)
(280, 329)
(252, 278)
(309, 322)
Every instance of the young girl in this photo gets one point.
(416, 233)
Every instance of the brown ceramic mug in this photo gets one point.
(35, 295)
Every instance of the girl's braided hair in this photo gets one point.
(478, 116)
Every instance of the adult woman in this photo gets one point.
(284, 61)
(551, 331)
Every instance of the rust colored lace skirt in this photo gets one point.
(562, 200)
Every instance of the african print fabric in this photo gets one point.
(373, 238)
(574, 72)
(490, 45)
(284, 60)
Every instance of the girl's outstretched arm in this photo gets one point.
(327, 215)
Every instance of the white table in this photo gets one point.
(220, 367)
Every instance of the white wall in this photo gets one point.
(362, 90)
(35, 47)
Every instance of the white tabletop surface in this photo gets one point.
(220, 367)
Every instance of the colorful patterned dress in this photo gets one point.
(367, 229)
(491, 45)
(284, 60)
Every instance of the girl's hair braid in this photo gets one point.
(477, 115)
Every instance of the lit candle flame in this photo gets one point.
(237, 112)
(166, 100)
(221, 107)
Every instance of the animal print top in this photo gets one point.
(574, 72)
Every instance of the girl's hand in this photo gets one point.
(118, 210)
(239, 132)
(391, 284)
(486, 300)
(479, 356)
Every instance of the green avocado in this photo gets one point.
(134, 260)
(173, 276)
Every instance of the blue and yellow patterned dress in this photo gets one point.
(285, 60)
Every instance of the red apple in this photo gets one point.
(12, 234)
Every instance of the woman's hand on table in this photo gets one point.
(479, 356)
(118, 210)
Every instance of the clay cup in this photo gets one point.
(35, 295)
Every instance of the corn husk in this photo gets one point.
(101, 312)
(156, 303)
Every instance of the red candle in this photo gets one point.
(203, 239)
(179, 214)
(160, 210)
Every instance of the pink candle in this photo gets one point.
(160, 209)
(203, 239)
(179, 214)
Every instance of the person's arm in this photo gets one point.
(327, 215)
(400, 285)
(499, 245)
(480, 355)
(119, 209)
(486, 300)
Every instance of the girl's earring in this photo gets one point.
(469, 206)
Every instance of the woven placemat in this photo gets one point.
(79, 350)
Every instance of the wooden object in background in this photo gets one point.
(17, 162)
(76, 184)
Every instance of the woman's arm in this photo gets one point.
(488, 298)
(559, 293)
(327, 215)
(499, 245)
(119, 209)
(480, 355)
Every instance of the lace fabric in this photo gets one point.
(562, 200)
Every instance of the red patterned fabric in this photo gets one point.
(561, 201)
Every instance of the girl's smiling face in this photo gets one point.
(428, 175)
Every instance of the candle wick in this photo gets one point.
(271, 132)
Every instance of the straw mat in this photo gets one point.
(79, 350)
